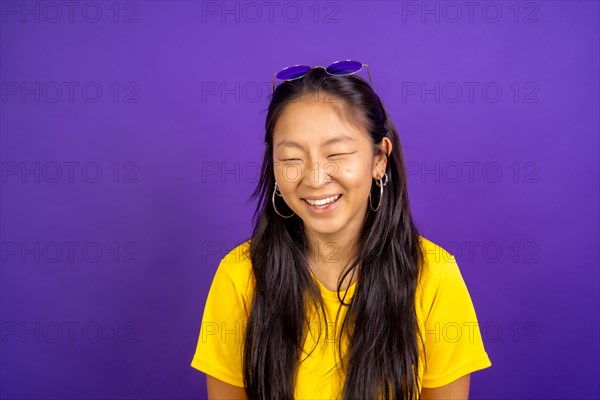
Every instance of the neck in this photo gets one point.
(330, 253)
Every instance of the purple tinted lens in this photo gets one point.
(344, 67)
(293, 72)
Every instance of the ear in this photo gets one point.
(380, 164)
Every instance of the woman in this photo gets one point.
(336, 295)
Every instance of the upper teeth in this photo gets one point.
(323, 201)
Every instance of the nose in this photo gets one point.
(319, 173)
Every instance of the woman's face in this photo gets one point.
(318, 156)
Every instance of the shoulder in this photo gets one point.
(437, 262)
(447, 320)
(236, 266)
(237, 258)
(435, 256)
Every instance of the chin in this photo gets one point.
(324, 227)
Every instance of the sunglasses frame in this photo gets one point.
(363, 65)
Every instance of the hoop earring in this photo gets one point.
(278, 193)
(379, 182)
(386, 180)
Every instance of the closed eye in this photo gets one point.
(340, 154)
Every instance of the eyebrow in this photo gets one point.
(341, 138)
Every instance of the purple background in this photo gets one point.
(177, 136)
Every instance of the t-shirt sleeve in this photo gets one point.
(453, 342)
(219, 348)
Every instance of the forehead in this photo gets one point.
(317, 120)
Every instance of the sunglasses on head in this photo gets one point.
(343, 67)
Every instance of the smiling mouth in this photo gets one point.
(323, 202)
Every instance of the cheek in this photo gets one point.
(355, 175)
(286, 179)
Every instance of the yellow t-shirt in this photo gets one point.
(452, 337)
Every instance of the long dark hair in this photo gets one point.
(381, 328)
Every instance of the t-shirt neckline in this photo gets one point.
(332, 294)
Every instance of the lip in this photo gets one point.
(320, 198)
(324, 210)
